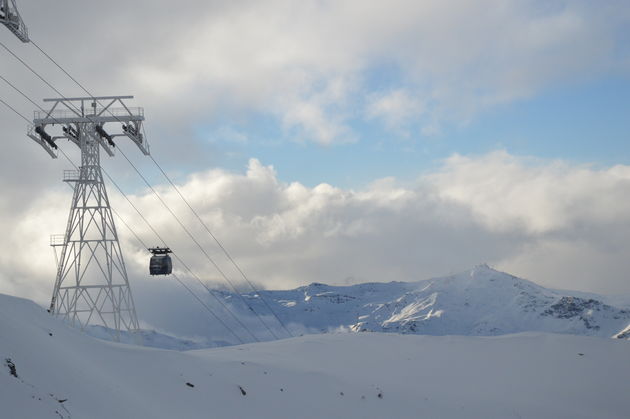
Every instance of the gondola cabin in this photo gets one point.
(161, 263)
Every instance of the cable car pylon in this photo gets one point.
(91, 285)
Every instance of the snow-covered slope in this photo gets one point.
(479, 302)
(48, 370)
(153, 339)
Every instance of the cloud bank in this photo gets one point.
(561, 225)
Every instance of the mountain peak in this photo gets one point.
(482, 267)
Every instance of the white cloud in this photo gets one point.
(310, 119)
(506, 192)
(561, 225)
(397, 108)
(309, 63)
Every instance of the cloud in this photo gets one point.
(505, 192)
(574, 218)
(561, 225)
(310, 64)
(397, 108)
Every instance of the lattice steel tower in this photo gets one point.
(10, 17)
(91, 286)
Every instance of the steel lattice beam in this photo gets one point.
(10, 17)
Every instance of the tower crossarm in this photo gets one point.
(74, 110)
(10, 17)
(89, 115)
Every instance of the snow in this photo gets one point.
(478, 302)
(624, 334)
(153, 339)
(65, 373)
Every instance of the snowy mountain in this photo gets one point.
(48, 370)
(479, 302)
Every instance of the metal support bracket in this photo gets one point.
(41, 142)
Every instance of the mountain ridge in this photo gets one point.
(479, 302)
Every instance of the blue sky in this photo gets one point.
(581, 122)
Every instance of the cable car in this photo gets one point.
(161, 263)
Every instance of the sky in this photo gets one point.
(342, 141)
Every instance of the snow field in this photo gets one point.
(352, 375)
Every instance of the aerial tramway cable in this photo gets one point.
(135, 208)
(182, 283)
(50, 141)
(150, 226)
(165, 205)
(14, 110)
(227, 254)
(176, 256)
(192, 237)
(205, 226)
(144, 245)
